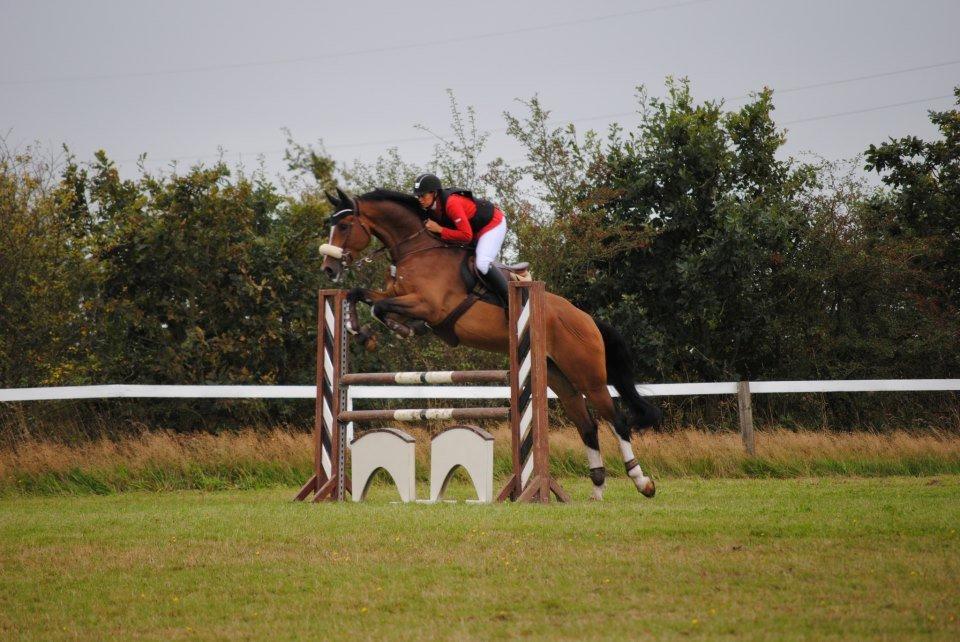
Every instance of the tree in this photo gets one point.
(46, 277)
(693, 214)
(923, 201)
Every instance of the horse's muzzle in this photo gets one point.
(332, 268)
(332, 274)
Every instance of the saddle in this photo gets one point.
(474, 282)
(477, 291)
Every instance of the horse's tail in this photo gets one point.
(643, 414)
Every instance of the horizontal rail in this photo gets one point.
(139, 391)
(429, 376)
(856, 385)
(420, 414)
(431, 392)
(147, 391)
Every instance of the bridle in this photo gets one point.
(343, 254)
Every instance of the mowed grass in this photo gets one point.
(730, 559)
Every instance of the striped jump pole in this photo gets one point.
(329, 480)
(530, 479)
(426, 377)
(424, 414)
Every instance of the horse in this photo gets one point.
(425, 285)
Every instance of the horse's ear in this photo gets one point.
(333, 201)
(343, 197)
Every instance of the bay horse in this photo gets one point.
(425, 285)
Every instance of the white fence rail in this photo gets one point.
(134, 391)
(742, 389)
(137, 391)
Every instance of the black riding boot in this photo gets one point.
(497, 283)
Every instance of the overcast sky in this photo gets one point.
(179, 79)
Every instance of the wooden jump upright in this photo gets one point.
(329, 480)
(530, 478)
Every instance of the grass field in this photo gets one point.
(731, 559)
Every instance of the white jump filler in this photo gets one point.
(466, 446)
(387, 448)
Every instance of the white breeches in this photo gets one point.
(488, 246)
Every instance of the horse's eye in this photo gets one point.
(343, 227)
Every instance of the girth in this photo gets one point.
(444, 329)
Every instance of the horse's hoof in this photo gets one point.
(400, 331)
(647, 488)
(419, 328)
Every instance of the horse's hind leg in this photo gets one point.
(578, 349)
(576, 408)
(600, 398)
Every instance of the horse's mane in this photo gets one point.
(408, 201)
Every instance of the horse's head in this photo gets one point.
(349, 235)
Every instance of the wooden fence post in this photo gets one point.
(745, 409)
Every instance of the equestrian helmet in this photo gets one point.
(426, 183)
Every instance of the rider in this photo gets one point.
(468, 221)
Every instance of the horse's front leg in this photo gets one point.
(357, 295)
(363, 333)
(409, 306)
(396, 322)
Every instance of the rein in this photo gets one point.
(344, 255)
(385, 248)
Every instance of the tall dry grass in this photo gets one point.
(162, 460)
